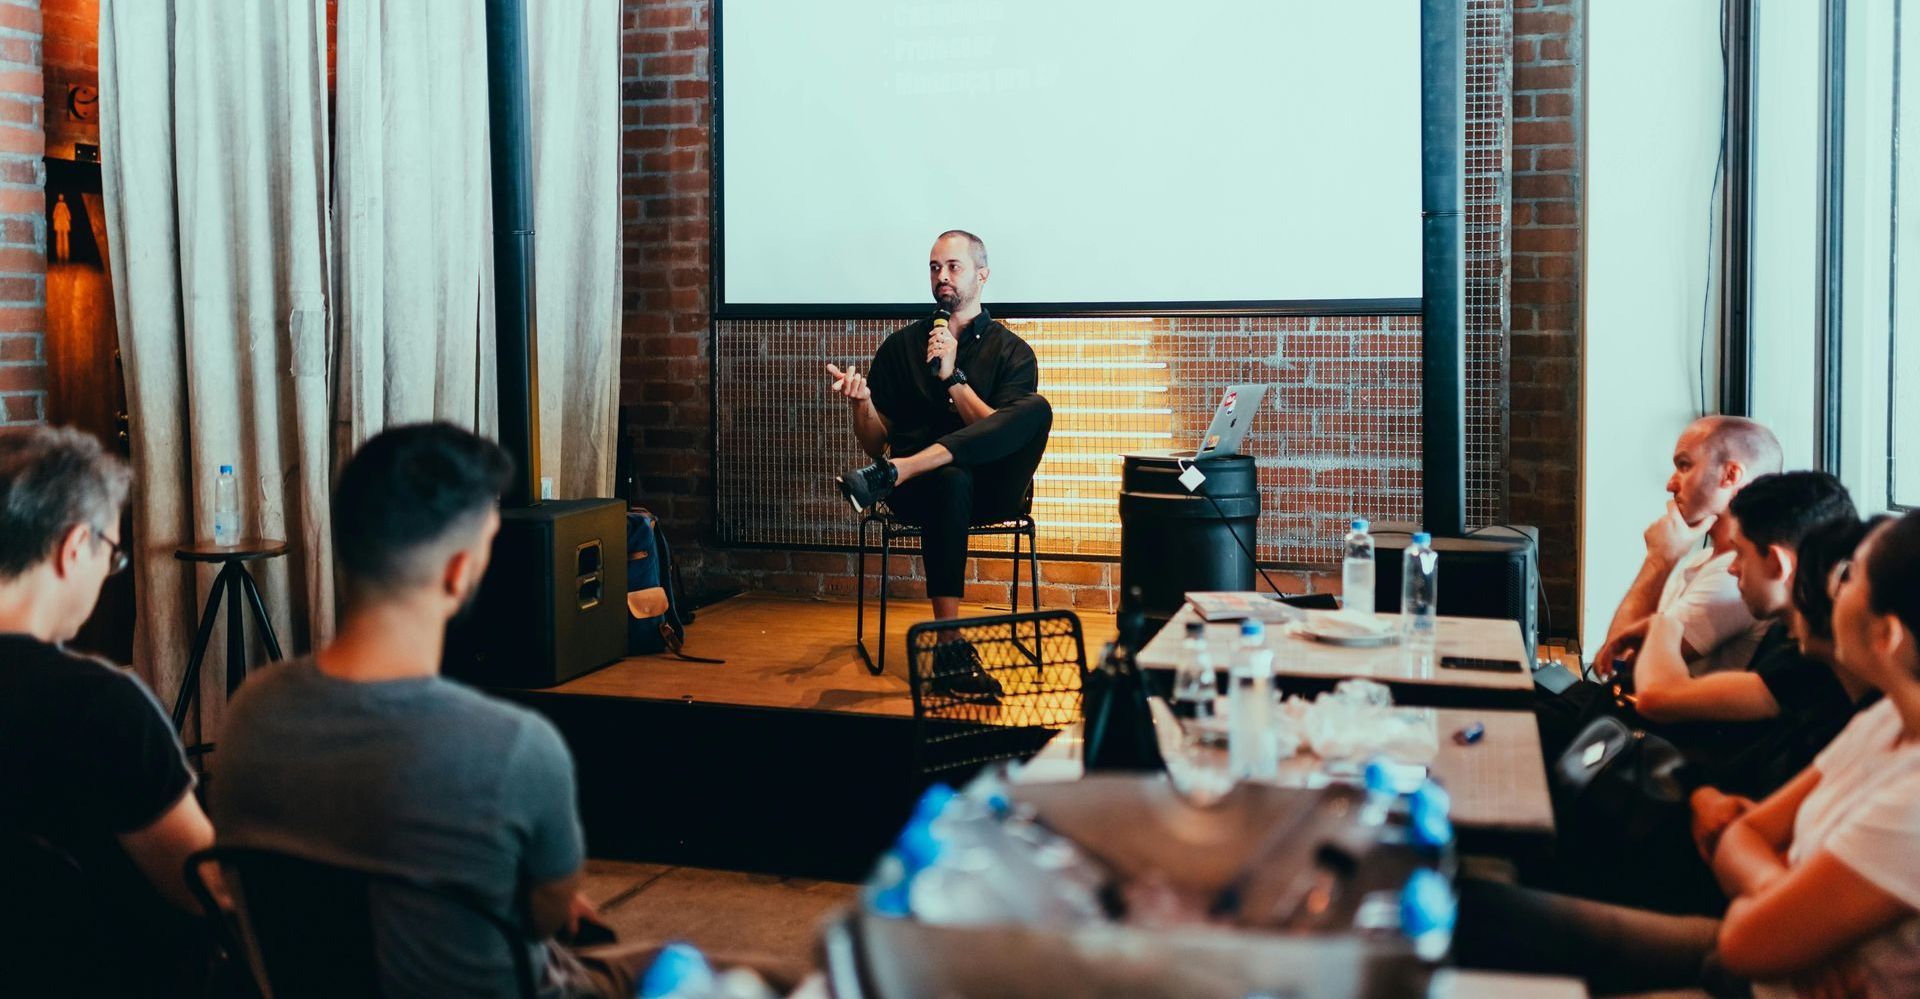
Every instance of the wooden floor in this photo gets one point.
(788, 652)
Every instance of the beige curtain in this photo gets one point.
(213, 131)
(411, 157)
(214, 135)
(413, 204)
(574, 46)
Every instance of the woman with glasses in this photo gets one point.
(1823, 875)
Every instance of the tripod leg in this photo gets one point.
(886, 556)
(260, 617)
(236, 628)
(190, 680)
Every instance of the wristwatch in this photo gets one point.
(958, 377)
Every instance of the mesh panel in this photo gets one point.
(995, 688)
(1340, 438)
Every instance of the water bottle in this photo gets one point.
(1419, 592)
(1250, 747)
(680, 971)
(1356, 571)
(1193, 682)
(226, 508)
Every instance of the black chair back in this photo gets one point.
(51, 906)
(306, 928)
(1036, 664)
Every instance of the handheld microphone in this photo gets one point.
(940, 317)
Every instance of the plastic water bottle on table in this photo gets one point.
(226, 508)
(1419, 595)
(1356, 570)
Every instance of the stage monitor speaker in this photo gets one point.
(553, 604)
(1495, 574)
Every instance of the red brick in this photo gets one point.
(1541, 23)
(22, 260)
(23, 378)
(22, 320)
(1552, 105)
(22, 408)
(1553, 158)
(1548, 186)
(19, 348)
(667, 65)
(1537, 77)
(20, 18)
(1543, 132)
(637, 42)
(1564, 239)
(655, 16)
(19, 289)
(18, 50)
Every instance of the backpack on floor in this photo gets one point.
(657, 617)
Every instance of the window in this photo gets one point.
(1835, 262)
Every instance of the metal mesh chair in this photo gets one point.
(893, 528)
(307, 929)
(992, 688)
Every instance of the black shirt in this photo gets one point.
(1756, 758)
(89, 756)
(999, 366)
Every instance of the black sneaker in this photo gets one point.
(868, 484)
(957, 673)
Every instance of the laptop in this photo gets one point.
(1231, 420)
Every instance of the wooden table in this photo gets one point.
(1306, 667)
(1498, 784)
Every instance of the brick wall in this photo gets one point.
(666, 364)
(23, 254)
(71, 53)
(1543, 455)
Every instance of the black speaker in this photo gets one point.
(1494, 574)
(1173, 541)
(553, 605)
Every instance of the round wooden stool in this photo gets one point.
(238, 585)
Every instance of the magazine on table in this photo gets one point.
(1230, 605)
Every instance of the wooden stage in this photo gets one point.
(789, 758)
(789, 653)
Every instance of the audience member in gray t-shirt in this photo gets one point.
(365, 757)
(419, 777)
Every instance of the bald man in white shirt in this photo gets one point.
(1687, 570)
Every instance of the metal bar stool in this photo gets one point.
(238, 586)
(892, 528)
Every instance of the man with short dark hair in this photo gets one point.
(364, 756)
(1715, 457)
(1767, 521)
(1744, 733)
(952, 418)
(96, 773)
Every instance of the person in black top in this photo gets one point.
(1744, 734)
(1770, 518)
(96, 806)
(952, 417)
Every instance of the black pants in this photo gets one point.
(1614, 948)
(993, 464)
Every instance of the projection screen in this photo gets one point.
(1214, 155)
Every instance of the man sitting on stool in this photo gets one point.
(952, 417)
